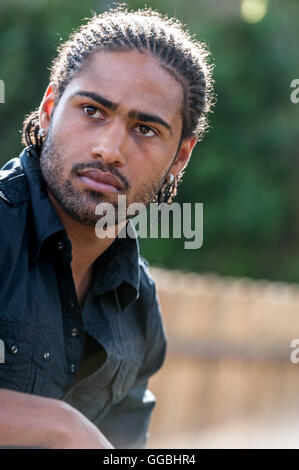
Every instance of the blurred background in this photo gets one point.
(230, 308)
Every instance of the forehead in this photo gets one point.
(134, 81)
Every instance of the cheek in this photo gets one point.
(70, 142)
(147, 175)
(152, 157)
(67, 126)
(148, 172)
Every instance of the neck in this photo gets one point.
(86, 247)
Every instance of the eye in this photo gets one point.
(146, 131)
(93, 112)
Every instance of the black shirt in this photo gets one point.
(43, 325)
(94, 356)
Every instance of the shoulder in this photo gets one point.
(148, 289)
(147, 286)
(13, 184)
(155, 330)
(13, 210)
(145, 273)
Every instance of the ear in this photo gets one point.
(46, 106)
(183, 155)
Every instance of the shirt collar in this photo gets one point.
(45, 219)
(117, 268)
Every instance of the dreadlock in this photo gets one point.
(148, 32)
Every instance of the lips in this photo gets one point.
(101, 177)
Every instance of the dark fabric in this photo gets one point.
(94, 355)
(43, 325)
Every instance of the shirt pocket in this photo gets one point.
(15, 372)
(26, 361)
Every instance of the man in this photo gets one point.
(79, 317)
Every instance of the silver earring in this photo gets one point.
(41, 132)
(170, 178)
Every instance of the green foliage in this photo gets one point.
(246, 170)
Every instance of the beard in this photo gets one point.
(81, 204)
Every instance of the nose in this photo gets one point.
(110, 143)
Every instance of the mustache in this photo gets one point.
(99, 166)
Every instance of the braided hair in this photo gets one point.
(148, 32)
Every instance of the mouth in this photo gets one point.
(100, 181)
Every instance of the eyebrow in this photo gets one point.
(141, 116)
(98, 98)
(145, 117)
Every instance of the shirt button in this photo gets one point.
(46, 356)
(72, 368)
(60, 245)
(72, 304)
(14, 349)
(75, 332)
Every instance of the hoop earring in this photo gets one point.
(42, 132)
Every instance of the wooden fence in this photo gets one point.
(228, 351)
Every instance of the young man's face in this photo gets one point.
(121, 114)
